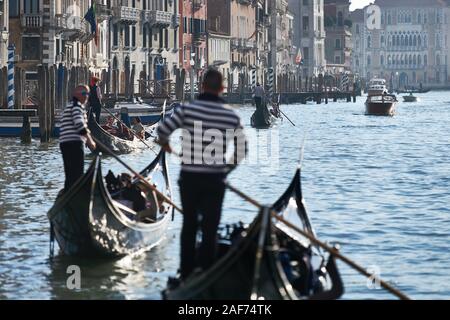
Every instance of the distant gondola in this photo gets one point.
(262, 118)
(291, 267)
(116, 144)
(87, 221)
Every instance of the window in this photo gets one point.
(368, 60)
(357, 29)
(438, 60)
(382, 40)
(389, 19)
(31, 48)
(133, 36)
(14, 8)
(425, 60)
(144, 36)
(419, 18)
(338, 44)
(369, 42)
(127, 36)
(115, 35)
(305, 2)
(305, 23)
(382, 60)
(31, 6)
(340, 19)
(337, 60)
(306, 53)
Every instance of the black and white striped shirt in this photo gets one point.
(208, 127)
(73, 125)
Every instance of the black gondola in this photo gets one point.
(116, 144)
(87, 221)
(290, 268)
(262, 118)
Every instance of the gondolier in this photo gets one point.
(206, 125)
(259, 95)
(74, 133)
(95, 98)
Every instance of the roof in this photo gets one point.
(357, 15)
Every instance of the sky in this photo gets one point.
(356, 4)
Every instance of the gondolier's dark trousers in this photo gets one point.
(202, 197)
(258, 102)
(73, 157)
(97, 110)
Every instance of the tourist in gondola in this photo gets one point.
(74, 133)
(203, 172)
(95, 99)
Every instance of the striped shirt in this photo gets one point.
(73, 125)
(208, 128)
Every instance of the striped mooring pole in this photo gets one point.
(270, 76)
(253, 80)
(11, 53)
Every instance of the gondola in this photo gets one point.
(291, 268)
(116, 144)
(262, 118)
(87, 220)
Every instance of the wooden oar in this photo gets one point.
(323, 245)
(279, 108)
(131, 130)
(137, 175)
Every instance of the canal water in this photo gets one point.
(377, 186)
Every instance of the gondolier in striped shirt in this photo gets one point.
(74, 133)
(208, 127)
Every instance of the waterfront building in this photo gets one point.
(243, 41)
(144, 41)
(219, 36)
(309, 34)
(338, 42)
(285, 48)
(358, 47)
(412, 46)
(193, 55)
(263, 23)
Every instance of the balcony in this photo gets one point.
(199, 37)
(235, 43)
(157, 18)
(31, 21)
(70, 27)
(126, 15)
(248, 44)
(198, 4)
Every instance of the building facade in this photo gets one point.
(309, 34)
(144, 41)
(358, 50)
(193, 55)
(4, 35)
(338, 42)
(219, 36)
(412, 46)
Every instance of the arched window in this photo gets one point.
(389, 19)
(389, 41)
(419, 41)
(357, 62)
(368, 60)
(398, 40)
(402, 41)
(419, 60)
(438, 60)
(382, 19)
(419, 18)
(382, 40)
(410, 40)
(410, 60)
(415, 41)
(425, 60)
(389, 60)
(414, 60)
(382, 60)
(369, 42)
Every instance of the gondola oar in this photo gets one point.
(137, 175)
(331, 250)
(131, 130)
(286, 116)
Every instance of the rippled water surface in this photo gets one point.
(377, 186)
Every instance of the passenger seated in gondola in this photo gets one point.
(131, 195)
(110, 126)
(124, 133)
(138, 128)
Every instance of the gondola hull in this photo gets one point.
(262, 117)
(86, 221)
(116, 144)
(235, 275)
